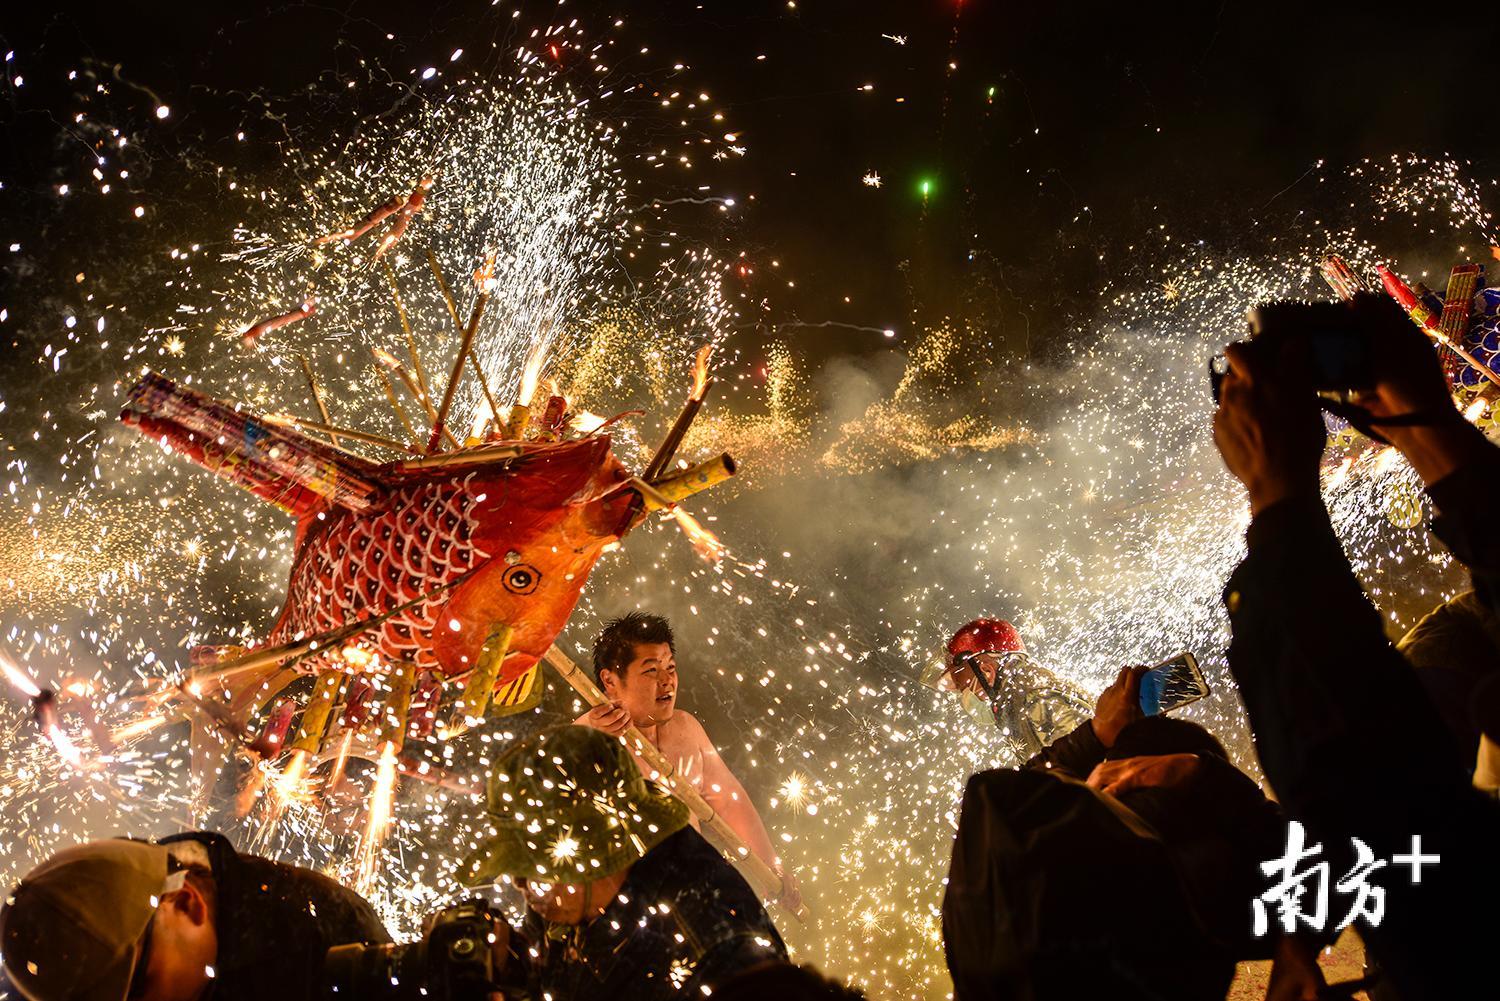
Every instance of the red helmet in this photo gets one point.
(985, 636)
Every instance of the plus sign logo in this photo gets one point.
(1416, 860)
(1301, 882)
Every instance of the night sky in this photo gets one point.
(1049, 133)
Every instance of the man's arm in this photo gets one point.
(1411, 404)
(1345, 734)
(1081, 750)
(730, 800)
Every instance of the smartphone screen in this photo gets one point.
(1172, 684)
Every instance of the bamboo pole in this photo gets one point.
(350, 433)
(437, 272)
(481, 683)
(441, 423)
(466, 457)
(761, 877)
(393, 363)
(411, 341)
(670, 443)
(258, 659)
(390, 394)
(317, 395)
(484, 384)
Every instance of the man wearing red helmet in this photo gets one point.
(988, 666)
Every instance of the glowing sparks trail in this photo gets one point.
(1065, 496)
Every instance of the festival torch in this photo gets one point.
(44, 711)
(531, 376)
(669, 446)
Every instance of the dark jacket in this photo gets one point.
(1057, 892)
(683, 920)
(275, 922)
(1217, 827)
(1455, 649)
(1353, 748)
(1465, 501)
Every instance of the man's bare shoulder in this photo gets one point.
(685, 729)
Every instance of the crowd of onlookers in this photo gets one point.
(1128, 859)
(1132, 860)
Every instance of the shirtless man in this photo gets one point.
(635, 665)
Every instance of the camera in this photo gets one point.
(1338, 352)
(455, 959)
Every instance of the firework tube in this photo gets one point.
(1429, 321)
(414, 204)
(555, 415)
(1341, 278)
(252, 335)
(284, 467)
(476, 696)
(376, 215)
(674, 437)
(397, 703)
(516, 423)
(1402, 293)
(454, 377)
(317, 395)
(314, 723)
(273, 734)
(1458, 303)
(761, 877)
(694, 479)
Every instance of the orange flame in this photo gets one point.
(705, 543)
(588, 422)
(66, 749)
(531, 373)
(700, 371)
(290, 784)
(19, 678)
(484, 277)
(138, 728)
(382, 797)
(386, 358)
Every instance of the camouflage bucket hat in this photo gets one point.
(569, 805)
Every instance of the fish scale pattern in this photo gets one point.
(357, 565)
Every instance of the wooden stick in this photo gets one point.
(464, 457)
(761, 877)
(437, 271)
(674, 437)
(312, 384)
(337, 432)
(416, 392)
(411, 341)
(258, 659)
(484, 384)
(456, 376)
(390, 394)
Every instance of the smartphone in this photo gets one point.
(1172, 684)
